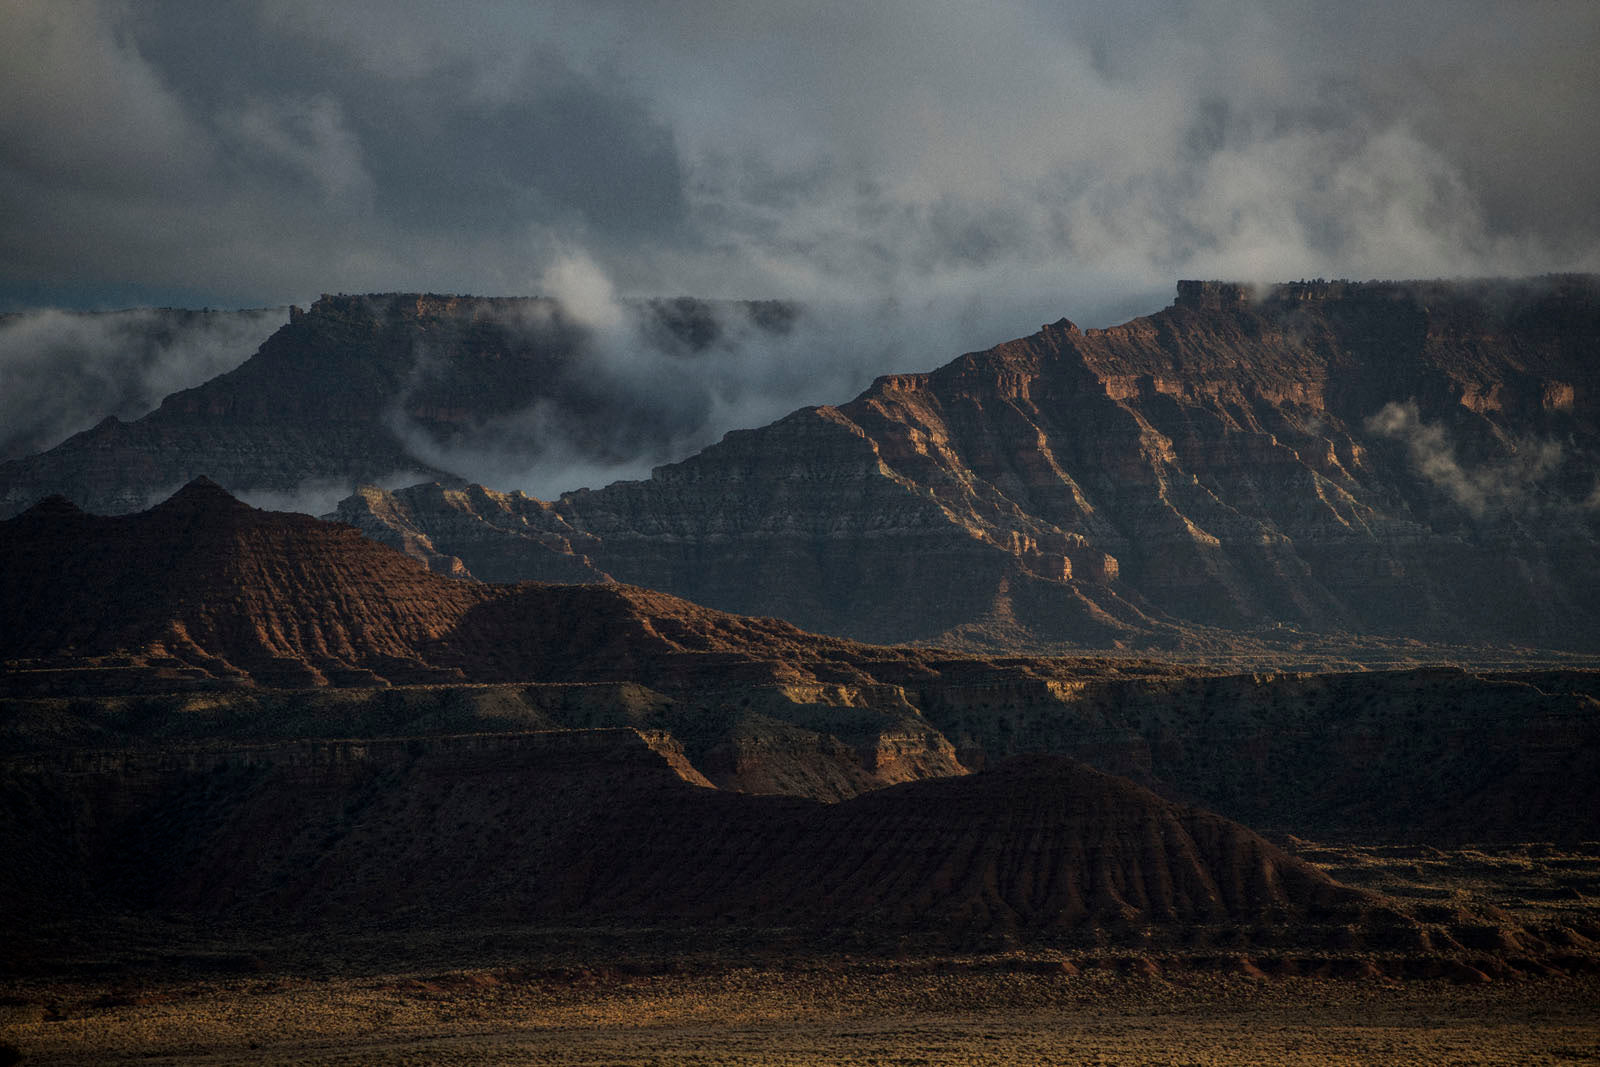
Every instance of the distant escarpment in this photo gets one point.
(388, 388)
(1407, 460)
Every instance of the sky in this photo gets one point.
(1050, 153)
(933, 176)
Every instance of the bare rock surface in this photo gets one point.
(203, 593)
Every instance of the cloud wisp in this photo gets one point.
(1504, 486)
(626, 385)
(62, 372)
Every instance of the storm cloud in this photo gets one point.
(1056, 157)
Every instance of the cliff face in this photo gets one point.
(209, 587)
(1399, 459)
(1402, 459)
(381, 388)
(1426, 756)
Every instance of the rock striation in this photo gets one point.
(1412, 460)
(206, 585)
(204, 591)
(1044, 843)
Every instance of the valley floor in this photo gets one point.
(153, 991)
(836, 1014)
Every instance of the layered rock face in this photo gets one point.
(384, 388)
(1402, 459)
(210, 587)
(1429, 755)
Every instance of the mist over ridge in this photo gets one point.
(62, 371)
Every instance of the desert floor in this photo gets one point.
(131, 991)
(840, 1013)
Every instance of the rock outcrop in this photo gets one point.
(1431, 755)
(1412, 460)
(203, 592)
(1040, 843)
(205, 584)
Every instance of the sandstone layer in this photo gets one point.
(207, 619)
(203, 592)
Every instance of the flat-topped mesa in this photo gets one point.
(1211, 295)
(1223, 295)
(1556, 298)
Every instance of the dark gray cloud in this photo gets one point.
(1042, 152)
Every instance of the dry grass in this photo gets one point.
(839, 1014)
(513, 995)
(1536, 884)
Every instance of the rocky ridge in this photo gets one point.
(1413, 460)
(204, 593)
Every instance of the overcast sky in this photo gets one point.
(1075, 156)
